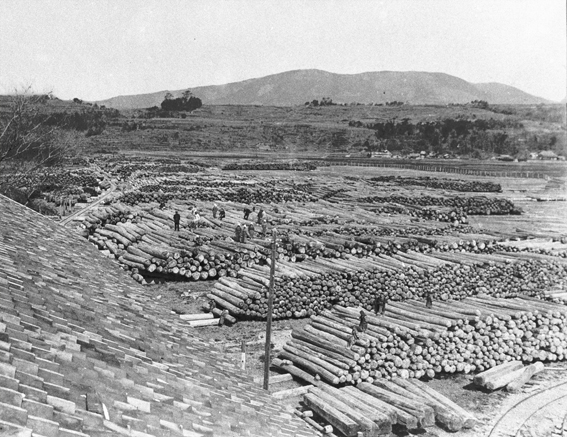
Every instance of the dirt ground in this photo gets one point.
(190, 297)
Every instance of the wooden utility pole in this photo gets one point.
(268, 347)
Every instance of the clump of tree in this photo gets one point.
(459, 135)
(33, 143)
(325, 101)
(481, 104)
(187, 102)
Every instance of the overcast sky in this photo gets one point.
(99, 49)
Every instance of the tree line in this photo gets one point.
(457, 135)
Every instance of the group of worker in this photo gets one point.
(379, 310)
(241, 232)
(220, 211)
(193, 223)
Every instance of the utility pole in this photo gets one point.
(268, 347)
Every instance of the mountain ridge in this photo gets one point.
(296, 87)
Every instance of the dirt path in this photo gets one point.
(537, 414)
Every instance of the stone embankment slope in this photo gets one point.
(85, 351)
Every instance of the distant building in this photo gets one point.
(416, 156)
(548, 155)
(505, 158)
(382, 154)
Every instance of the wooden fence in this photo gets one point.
(449, 169)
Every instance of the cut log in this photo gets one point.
(443, 415)
(217, 312)
(293, 370)
(292, 392)
(200, 323)
(367, 426)
(401, 416)
(202, 316)
(528, 372)
(381, 418)
(338, 420)
(483, 377)
(469, 420)
(428, 412)
(311, 366)
(411, 407)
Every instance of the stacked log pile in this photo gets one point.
(246, 195)
(412, 341)
(473, 205)
(124, 169)
(293, 166)
(117, 228)
(313, 286)
(109, 215)
(321, 225)
(544, 246)
(441, 183)
(150, 247)
(372, 409)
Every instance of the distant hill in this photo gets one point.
(299, 86)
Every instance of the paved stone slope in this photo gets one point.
(84, 350)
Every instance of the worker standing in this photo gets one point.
(196, 220)
(428, 300)
(363, 323)
(245, 234)
(260, 216)
(222, 214)
(247, 212)
(237, 233)
(264, 227)
(251, 230)
(215, 210)
(176, 219)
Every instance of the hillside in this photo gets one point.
(298, 86)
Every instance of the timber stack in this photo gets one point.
(441, 183)
(312, 286)
(371, 409)
(293, 166)
(410, 340)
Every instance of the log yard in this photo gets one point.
(336, 219)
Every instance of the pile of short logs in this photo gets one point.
(109, 215)
(444, 184)
(411, 340)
